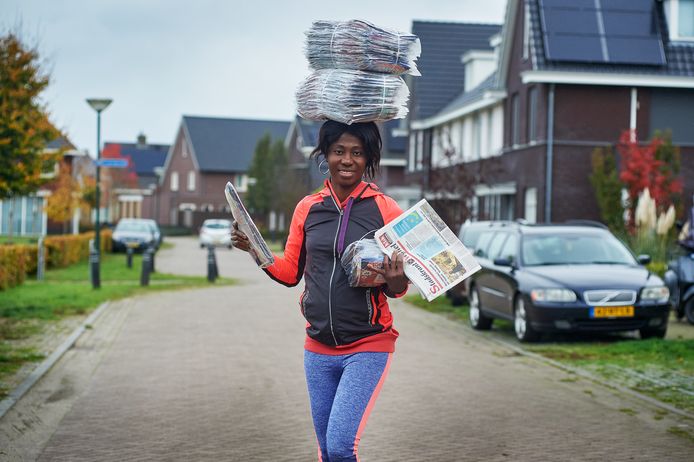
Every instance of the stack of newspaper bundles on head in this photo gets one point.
(357, 68)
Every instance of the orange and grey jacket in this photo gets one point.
(340, 319)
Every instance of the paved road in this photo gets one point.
(216, 374)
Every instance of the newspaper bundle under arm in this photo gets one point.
(259, 249)
(435, 258)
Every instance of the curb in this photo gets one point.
(580, 372)
(587, 375)
(17, 394)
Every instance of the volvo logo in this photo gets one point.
(609, 297)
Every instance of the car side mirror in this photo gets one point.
(643, 259)
(503, 262)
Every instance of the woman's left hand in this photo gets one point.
(394, 272)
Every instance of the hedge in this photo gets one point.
(16, 261)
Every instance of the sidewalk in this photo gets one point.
(217, 374)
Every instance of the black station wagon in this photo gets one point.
(563, 278)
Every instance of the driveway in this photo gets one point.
(216, 374)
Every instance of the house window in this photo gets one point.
(413, 154)
(526, 31)
(174, 181)
(532, 114)
(490, 132)
(685, 18)
(515, 120)
(184, 149)
(499, 206)
(191, 180)
(531, 205)
(476, 136)
(419, 152)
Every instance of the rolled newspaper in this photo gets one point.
(259, 250)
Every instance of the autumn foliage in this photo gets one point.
(654, 166)
(24, 126)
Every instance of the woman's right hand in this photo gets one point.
(239, 238)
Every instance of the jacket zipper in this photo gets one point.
(369, 304)
(332, 274)
(302, 303)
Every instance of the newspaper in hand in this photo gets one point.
(435, 258)
(259, 249)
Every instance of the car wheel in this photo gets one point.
(478, 320)
(521, 322)
(689, 310)
(650, 332)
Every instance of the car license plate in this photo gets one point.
(612, 312)
(133, 245)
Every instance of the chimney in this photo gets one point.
(141, 141)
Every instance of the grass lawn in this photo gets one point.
(29, 310)
(18, 240)
(663, 369)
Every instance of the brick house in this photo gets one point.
(130, 192)
(27, 215)
(570, 76)
(206, 153)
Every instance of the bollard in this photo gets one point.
(212, 272)
(40, 260)
(146, 268)
(129, 256)
(152, 252)
(94, 265)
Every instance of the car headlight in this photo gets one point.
(552, 295)
(655, 294)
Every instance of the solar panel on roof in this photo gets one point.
(602, 31)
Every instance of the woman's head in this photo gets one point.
(366, 134)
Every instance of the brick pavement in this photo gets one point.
(216, 374)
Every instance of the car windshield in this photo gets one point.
(218, 225)
(133, 226)
(574, 249)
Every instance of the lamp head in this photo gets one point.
(99, 104)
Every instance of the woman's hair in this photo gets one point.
(367, 133)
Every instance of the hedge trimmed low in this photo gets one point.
(16, 261)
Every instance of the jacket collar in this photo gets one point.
(362, 191)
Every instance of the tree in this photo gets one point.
(66, 198)
(452, 182)
(24, 126)
(262, 172)
(654, 166)
(608, 189)
(276, 188)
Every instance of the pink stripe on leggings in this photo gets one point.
(370, 406)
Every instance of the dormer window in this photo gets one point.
(685, 18)
(680, 16)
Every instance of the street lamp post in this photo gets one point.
(98, 105)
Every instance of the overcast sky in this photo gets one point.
(161, 59)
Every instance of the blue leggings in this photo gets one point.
(343, 390)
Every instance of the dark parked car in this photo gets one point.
(134, 232)
(469, 234)
(564, 278)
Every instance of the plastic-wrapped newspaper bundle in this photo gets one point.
(350, 96)
(363, 263)
(361, 45)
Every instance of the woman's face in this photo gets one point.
(347, 161)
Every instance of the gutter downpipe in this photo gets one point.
(550, 155)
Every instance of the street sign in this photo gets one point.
(112, 163)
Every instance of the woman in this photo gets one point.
(350, 337)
